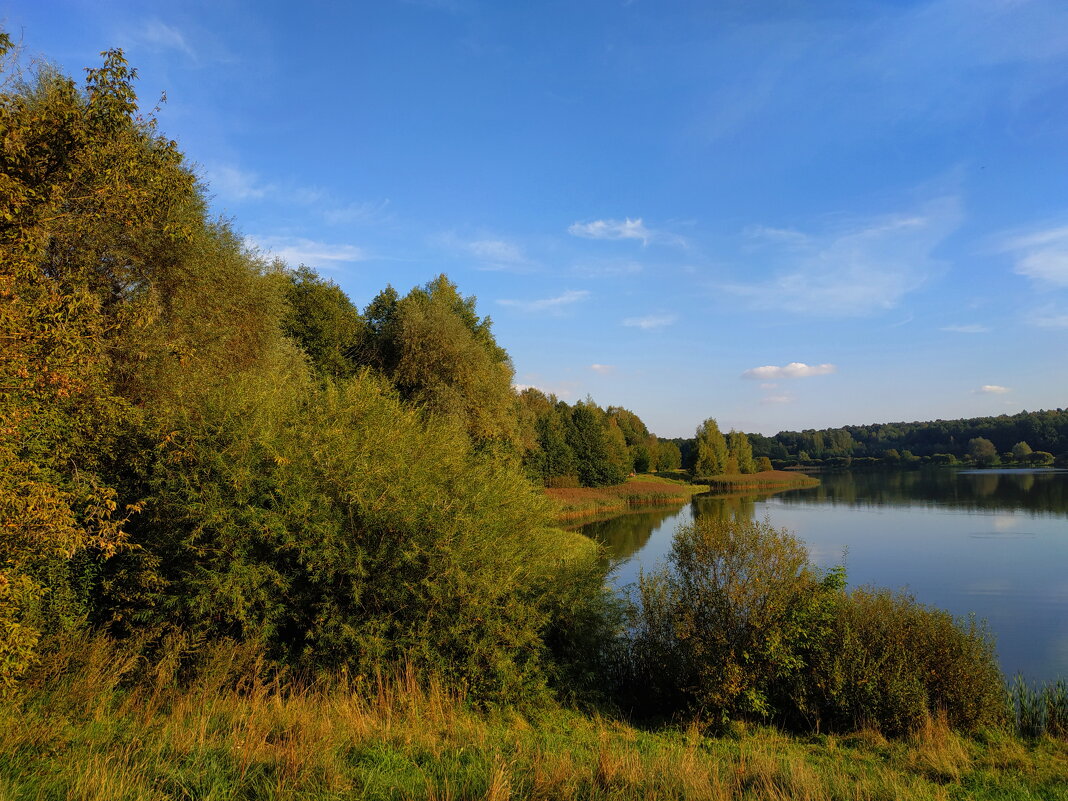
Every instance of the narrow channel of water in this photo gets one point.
(992, 543)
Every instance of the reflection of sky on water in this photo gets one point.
(1007, 566)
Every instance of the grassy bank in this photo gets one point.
(574, 503)
(74, 735)
(766, 480)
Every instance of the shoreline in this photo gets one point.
(658, 490)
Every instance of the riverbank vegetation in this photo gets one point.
(82, 730)
(574, 503)
(776, 480)
(256, 540)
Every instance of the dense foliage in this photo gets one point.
(585, 445)
(197, 442)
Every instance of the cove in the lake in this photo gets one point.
(989, 543)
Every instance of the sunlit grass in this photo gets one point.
(638, 491)
(228, 734)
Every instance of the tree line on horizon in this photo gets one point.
(1036, 439)
(982, 440)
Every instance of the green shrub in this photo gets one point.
(739, 624)
(726, 622)
(890, 663)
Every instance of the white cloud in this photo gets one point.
(1042, 256)
(161, 36)
(992, 389)
(612, 229)
(237, 184)
(769, 385)
(651, 321)
(791, 370)
(864, 268)
(603, 369)
(553, 305)
(296, 250)
(776, 399)
(966, 329)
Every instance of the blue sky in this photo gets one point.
(780, 214)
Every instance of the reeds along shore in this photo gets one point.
(663, 489)
(573, 503)
(95, 723)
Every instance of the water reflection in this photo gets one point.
(995, 544)
(625, 536)
(1044, 491)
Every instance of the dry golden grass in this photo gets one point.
(580, 502)
(232, 735)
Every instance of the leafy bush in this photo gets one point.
(890, 662)
(740, 625)
(726, 623)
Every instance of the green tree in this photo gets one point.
(1040, 458)
(441, 355)
(711, 450)
(600, 453)
(982, 451)
(93, 204)
(1020, 451)
(669, 457)
(323, 321)
(725, 622)
(739, 448)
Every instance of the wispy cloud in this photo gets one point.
(791, 370)
(489, 251)
(626, 228)
(1042, 255)
(234, 183)
(352, 213)
(651, 321)
(1049, 318)
(991, 389)
(771, 400)
(603, 369)
(296, 250)
(864, 268)
(966, 329)
(498, 254)
(159, 35)
(612, 229)
(553, 305)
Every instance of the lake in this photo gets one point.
(992, 543)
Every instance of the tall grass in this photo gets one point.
(1040, 710)
(97, 722)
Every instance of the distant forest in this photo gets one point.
(1034, 438)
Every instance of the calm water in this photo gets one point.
(992, 543)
